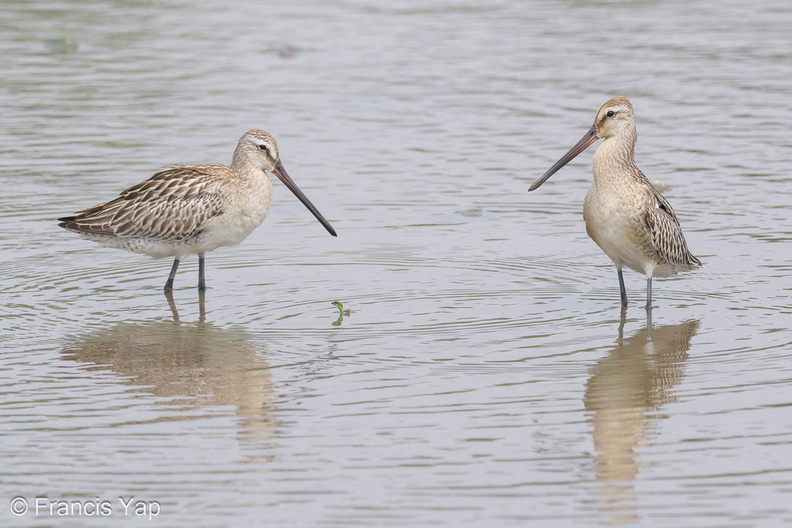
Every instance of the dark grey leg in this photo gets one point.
(201, 273)
(648, 293)
(622, 289)
(169, 282)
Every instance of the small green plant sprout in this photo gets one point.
(341, 308)
(341, 313)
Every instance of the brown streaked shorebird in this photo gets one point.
(627, 218)
(192, 209)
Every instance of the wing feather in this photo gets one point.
(174, 204)
(666, 234)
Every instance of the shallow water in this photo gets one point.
(486, 375)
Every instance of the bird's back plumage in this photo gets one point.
(174, 204)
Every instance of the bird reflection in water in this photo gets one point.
(196, 371)
(201, 306)
(624, 394)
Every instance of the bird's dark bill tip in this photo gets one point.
(588, 138)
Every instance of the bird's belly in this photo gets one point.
(620, 235)
(223, 230)
(148, 246)
(226, 231)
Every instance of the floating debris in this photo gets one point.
(472, 212)
(661, 186)
(287, 51)
(61, 45)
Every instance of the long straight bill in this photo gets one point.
(281, 173)
(589, 138)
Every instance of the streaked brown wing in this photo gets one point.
(665, 231)
(173, 204)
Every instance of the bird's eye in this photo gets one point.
(610, 113)
(262, 148)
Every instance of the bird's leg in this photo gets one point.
(621, 288)
(201, 273)
(169, 282)
(648, 293)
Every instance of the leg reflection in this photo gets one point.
(172, 305)
(201, 306)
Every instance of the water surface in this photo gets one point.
(486, 375)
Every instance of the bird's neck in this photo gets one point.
(242, 165)
(615, 157)
(240, 162)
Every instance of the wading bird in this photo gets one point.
(627, 218)
(192, 209)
